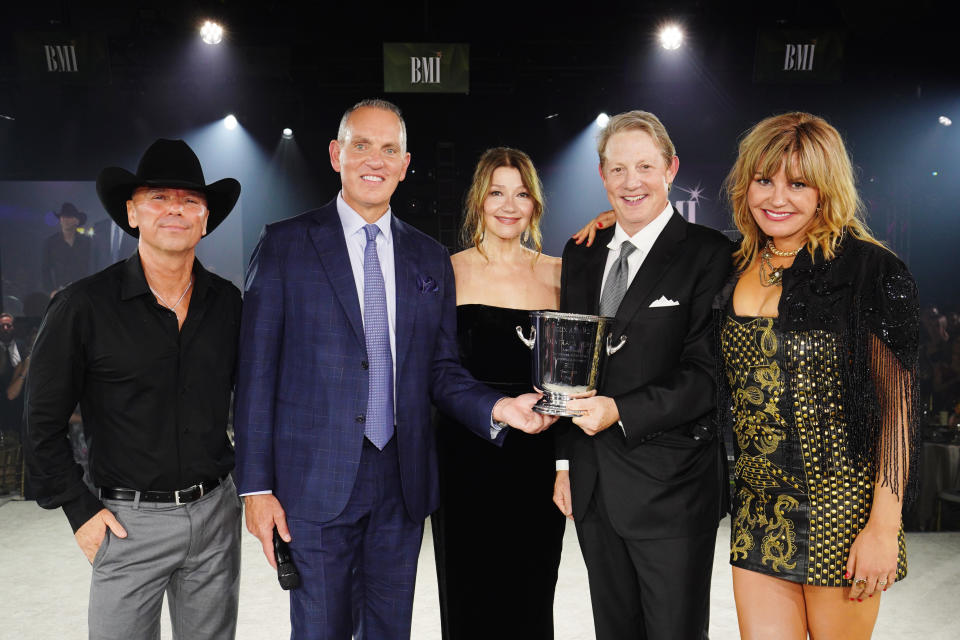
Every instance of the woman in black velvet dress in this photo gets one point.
(497, 534)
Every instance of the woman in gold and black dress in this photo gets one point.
(818, 351)
(497, 528)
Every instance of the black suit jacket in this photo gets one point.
(657, 479)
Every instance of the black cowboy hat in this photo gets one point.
(171, 164)
(70, 210)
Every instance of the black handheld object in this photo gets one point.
(287, 572)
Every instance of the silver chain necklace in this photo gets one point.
(179, 300)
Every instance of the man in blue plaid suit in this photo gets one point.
(348, 333)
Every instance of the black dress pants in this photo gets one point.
(649, 589)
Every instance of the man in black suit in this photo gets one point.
(644, 482)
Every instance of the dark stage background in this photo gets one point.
(539, 75)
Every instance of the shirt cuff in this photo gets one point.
(622, 428)
(496, 427)
(81, 509)
(257, 493)
(563, 465)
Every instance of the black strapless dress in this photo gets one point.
(497, 531)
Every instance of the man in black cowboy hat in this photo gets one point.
(66, 254)
(147, 347)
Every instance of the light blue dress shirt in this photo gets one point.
(353, 224)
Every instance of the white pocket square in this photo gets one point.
(664, 301)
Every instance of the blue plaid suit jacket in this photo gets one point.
(302, 381)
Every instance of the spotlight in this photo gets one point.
(602, 120)
(945, 121)
(211, 32)
(230, 122)
(934, 173)
(287, 133)
(552, 116)
(671, 37)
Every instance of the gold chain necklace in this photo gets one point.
(777, 252)
(770, 275)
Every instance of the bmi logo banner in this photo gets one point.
(62, 57)
(799, 56)
(426, 67)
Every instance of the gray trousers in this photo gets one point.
(190, 551)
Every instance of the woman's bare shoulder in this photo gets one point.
(465, 257)
(552, 261)
(548, 269)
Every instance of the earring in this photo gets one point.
(525, 236)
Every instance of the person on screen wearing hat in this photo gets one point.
(147, 348)
(66, 253)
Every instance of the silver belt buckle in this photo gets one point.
(176, 494)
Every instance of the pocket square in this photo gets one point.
(664, 301)
(426, 284)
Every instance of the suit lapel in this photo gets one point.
(327, 237)
(592, 274)
(661, 255)
(404, 266)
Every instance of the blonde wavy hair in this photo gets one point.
(471, 234)
(815, 154)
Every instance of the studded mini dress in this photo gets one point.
(799, 499)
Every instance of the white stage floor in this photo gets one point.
(44, 582)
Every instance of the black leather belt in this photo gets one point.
(181, 496)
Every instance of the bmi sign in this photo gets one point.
(798, 56)
(426, 67)
(62, 57)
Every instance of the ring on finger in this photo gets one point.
(881, 583)
(860, 582)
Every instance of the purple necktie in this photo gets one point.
(376, 328)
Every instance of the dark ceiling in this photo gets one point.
(287, 64)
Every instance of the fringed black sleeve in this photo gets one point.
(867, 297)
(889, 337)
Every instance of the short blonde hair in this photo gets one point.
(641, 121)
(471, 234)
(814, 151)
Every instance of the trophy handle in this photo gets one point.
(528, 341)
(613, 349)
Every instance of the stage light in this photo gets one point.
(945, 121)
(671, 37)
(230, 122)
(211, 32)
(934, 173)
(552, 116)
(287, 133)
(602, 120)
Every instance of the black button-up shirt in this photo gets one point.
(154, 397)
